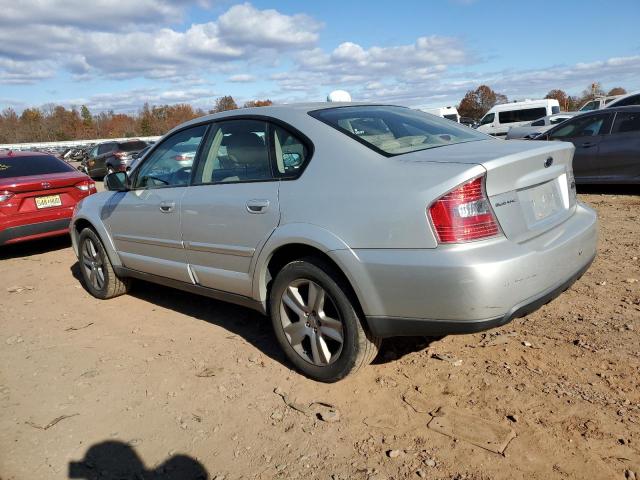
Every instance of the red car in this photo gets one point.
(38, 193)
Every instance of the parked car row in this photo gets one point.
(109, 157)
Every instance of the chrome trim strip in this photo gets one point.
(222, 249)
(149, 241)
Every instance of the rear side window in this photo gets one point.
(291, 153)
(626, 122)
(237, 151)
(131, 146)
(524, 115)
(625, 102)
(31, 166)
(538, 123)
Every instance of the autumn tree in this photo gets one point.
(479, 101)
(257, 103)
(224, 103)
(617, 91)
(561, 96)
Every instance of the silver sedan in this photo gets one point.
(345, 223)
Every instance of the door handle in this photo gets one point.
(588, 144)
(167, 207)
(257, 206)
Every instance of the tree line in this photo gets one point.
(53, 123)
(56, 123)
(479, 101)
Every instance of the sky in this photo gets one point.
(118, 54)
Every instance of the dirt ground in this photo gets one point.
(164, 384)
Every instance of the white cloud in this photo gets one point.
(73, 43)
(242, 78)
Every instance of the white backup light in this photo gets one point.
(339, 96)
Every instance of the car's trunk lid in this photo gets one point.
(529, 183)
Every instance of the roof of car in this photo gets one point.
(277, 110)
(22, 153)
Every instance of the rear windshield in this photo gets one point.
(395, 130)
(31, 166)
(131, 146)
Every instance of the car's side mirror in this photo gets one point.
(117, 182)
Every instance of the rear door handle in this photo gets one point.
(588, 144)
(167, 207)
(257, 206)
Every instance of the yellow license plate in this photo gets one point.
(48, 201)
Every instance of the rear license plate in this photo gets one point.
(543, 201)
(48, 201)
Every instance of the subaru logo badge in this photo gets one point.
(45, 185)
(548, 162)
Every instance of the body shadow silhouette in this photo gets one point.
(113, 460)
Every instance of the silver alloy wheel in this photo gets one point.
(305, 309)
(92, 264)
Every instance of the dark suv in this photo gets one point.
(109, 157)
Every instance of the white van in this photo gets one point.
(450, 113)
(501, 118)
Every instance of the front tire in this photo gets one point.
(316, 321)
(98, 275)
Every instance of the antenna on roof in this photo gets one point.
(339, 96)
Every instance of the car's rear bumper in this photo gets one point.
(468, 287)
(395, 327)
(32, 231)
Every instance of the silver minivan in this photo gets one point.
(345, 223)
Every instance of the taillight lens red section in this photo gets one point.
(464, 214)
(86, 186)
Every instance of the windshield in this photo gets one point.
(24, 166)
(395, 130)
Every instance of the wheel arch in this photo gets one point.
(80, 223)
(297, 241)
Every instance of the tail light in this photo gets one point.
(86, 186)
(5, 196)
(464, 214)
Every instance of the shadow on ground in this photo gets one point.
(246, 323)
(34, 247)
(113, 460)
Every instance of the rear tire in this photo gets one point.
(98, 275)
(325, 340)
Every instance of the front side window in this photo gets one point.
(555, 110)
(237, 151)
(395, 130)
(581, 127)
(488, 119)
(626, 122)
(169, 165)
